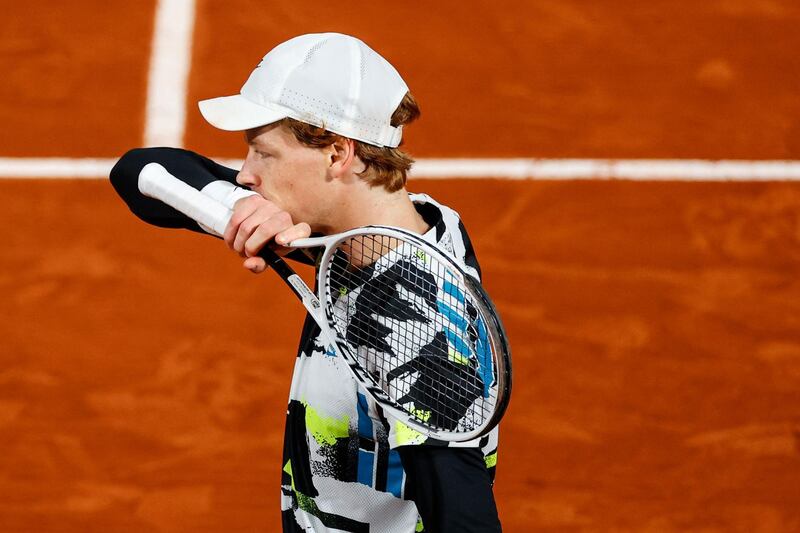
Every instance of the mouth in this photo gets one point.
(270, 198)
(262, 194)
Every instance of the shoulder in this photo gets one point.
(447, 231)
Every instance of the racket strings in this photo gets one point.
(411, 323)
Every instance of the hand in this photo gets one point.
(254, 223)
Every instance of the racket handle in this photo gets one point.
(275, 262)
(292, 279)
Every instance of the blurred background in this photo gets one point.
(655, 325)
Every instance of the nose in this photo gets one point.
(245, 176)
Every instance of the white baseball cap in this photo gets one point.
(329, 80)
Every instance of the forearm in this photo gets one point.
(205, 175)
(213, 179)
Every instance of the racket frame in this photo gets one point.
(321, 313)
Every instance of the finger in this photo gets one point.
(298, 231)
(266, 231)
(241, 211)
(268, 215)
(256, 265)
(245, 231)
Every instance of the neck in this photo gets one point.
(375, 206)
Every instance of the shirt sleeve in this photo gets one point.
(189, 167)
(207, 176)
(451, 488)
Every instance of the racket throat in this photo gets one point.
(310, 300)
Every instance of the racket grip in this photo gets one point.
(295, 282)
(274, 261)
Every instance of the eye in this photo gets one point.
(262, 154)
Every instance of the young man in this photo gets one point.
(322, 115)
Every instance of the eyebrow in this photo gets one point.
(262, 145)
(250, 139)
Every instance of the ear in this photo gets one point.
(341, 157)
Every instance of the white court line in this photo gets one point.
(170, 59)
(513, 169)
(630, 169)
(54, 167)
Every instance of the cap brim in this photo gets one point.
(237, 113)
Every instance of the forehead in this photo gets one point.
(271, 136)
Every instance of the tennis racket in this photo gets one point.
(418, 333)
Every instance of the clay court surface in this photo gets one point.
(655, 325)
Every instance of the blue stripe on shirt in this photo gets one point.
(366, 462)
(394, 474)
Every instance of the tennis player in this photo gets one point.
(323, 116)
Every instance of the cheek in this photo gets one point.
(309, 176)
(286, 182)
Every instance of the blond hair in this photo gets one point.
(384, 166)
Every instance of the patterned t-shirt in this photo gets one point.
(341, 470)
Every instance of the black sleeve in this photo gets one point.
(452, 489)
(189, 167)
